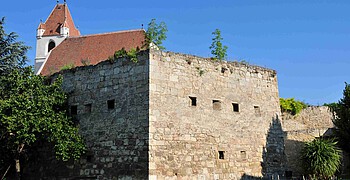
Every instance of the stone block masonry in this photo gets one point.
(208, 120)
(110, 102)
(170, 116)
(312, 122)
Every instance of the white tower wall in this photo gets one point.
(42, 47)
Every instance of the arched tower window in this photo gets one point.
(51, 45)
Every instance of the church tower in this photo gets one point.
(58, 26)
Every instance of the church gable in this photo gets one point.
(60, 44)
(91, 49)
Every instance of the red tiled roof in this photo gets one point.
(92, 48)
(41, 26)
(59, 15)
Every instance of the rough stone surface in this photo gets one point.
(185, 140)
(179, 116)
(116, 137)
(312, 122)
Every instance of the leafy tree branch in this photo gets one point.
(156, 34)
(217, 49)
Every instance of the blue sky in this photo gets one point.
(305, 41)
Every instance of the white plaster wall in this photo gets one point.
(42, 49)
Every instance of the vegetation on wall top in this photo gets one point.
(217, 49)
(292, 106)
(156, 34)
(131, 54)
(67, 66)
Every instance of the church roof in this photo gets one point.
(91, 49)
(59, 15)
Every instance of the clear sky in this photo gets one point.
(305, 41)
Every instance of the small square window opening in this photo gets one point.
(216, 104)
(88, 108)
(235, 107)
(193, 101)
(89, 158)
(111, 104)
(74, 110)
(221, 154)
(289, 174)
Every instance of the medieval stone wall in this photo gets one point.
(312, 122)
(210, 120)
(110, 102)
(172, 116)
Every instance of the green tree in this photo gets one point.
(321, 158)
(156, 34)
(32, 110)
(12, 53)
(291, 105)
(342, 119)
(217, 49)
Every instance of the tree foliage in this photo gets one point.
(32, 110)
(342, 119)
(12, 52)
(156, 34)
(332, 106)
(291, 105)
(217, 49)
(321, 158)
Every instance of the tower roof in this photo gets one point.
(41, 26)
(59, 16)
(91, 48)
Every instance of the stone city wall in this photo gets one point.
(209, 120)
(312, 122)
(111, 104)
(172, 116)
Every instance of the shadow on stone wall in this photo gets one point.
(274, 157)
(127, 162)
(249, 177)
(293, 150)
(346, 165)
(115, 127)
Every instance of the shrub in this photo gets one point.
(321, 158)
(131, 54)
(291, 105)
(68, 66)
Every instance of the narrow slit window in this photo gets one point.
(74, 110)
(257, 110)
(89, 156)
(243, 154)
(111, 104)
(235, 107)
(221, 154)
(88, 108)
(193, 101)
(216, 104)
